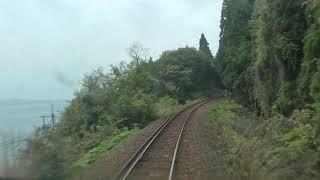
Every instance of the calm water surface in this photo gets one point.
(24, 115)
(18, 118)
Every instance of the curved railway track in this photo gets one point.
(156, 158)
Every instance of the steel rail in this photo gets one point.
(180, 134)
(130, 165)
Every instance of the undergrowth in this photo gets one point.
(234, 142)
(256, 148)
(102, 149)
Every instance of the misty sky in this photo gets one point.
(46, 46)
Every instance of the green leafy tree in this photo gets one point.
(187, 72)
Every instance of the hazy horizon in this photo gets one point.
(47, 46)
(24, 115)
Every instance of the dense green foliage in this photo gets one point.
(269, 58)
(269, 52)
(255, 148)
(110, 107)
(187, 72)
(279, 33)
(234, 58)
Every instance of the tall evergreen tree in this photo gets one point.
(204, 46)
(234, 57)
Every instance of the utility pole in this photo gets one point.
(52, 115)
(43, 120)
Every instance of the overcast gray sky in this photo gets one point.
(47, 45)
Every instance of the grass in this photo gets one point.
(104, 148)
(222, 116)
(230, 124)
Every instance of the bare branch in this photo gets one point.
(138, 53)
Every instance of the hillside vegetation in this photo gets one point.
(269, 58)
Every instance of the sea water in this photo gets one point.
(18, 119)
(24, 115)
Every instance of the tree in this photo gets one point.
(204, 47)
(138, 53)
(234, 57)
(186, 71)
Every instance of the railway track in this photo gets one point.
(156, 158)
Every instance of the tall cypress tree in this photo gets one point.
(204, 46)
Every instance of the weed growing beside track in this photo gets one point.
(102, 149)
(231, 131)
